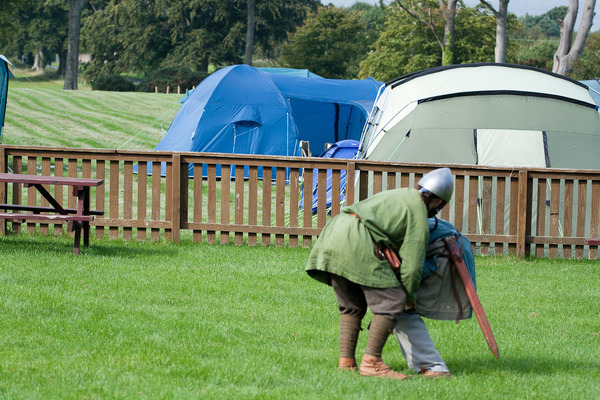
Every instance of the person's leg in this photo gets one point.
(386, 305)
(353, 306)
(417, 346)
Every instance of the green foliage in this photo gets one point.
(535, 53)
(587, 66)
(329, 43)
(198, 321)
(114, 83)
(36, 27)
(275, 19)
(537, 39)
(133, 39)
(373, 16)
(172, 77)
(141, 36)
(406, 45)
(475, 35)
(545, 25)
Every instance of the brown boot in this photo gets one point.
(348, 363)
(374, 366)
(434, 374)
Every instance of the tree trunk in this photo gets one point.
(249, 34)
(75, 9)
(501, 16)
(568, 51)
(38, 61)
(447, 41)
(501, 19)
(449, 11)
(62, 63)
(204, 62)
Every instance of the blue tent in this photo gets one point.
(4, 75)
(286, 71)
(244, 110)
(594, 88)
(341, 149)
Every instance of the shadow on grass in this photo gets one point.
(530, 365)
(63, 245)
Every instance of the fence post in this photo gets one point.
(522, 213)
(350, 178)
(175, 197)
(3, 191)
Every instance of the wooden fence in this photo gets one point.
(258, 199)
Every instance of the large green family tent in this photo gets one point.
(4, 75)
(485, 114)
(244, 110)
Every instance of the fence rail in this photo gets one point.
(223, 198)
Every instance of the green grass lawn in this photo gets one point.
(40, 113)
(189, 321)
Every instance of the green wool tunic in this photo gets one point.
(394, 218)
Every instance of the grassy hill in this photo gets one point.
(40, 113)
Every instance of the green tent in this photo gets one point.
(495, 115)
(485, 114)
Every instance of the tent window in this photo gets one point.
(511, 147)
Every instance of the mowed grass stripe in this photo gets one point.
(105, 104)
(29, 134)
(48, 120)
(88, 119)
(93, 120)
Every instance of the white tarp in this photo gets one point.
(511, 147)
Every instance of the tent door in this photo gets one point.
(245, 137)
(511, 148)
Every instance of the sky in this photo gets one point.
(517, 7)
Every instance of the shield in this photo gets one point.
(461, 268)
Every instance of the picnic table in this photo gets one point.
(78, 219)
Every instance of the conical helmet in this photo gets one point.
(438, 182)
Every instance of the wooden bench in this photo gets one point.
(78, 219)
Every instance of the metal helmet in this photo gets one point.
(438, 182)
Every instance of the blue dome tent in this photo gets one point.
(244, 110)
(341, 149)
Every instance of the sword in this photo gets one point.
(461, 268)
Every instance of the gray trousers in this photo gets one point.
(416, 344)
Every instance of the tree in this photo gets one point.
(373, 16)
(249, 34)
(475, 38)
(538, 37)
(72, 67)
(329, 43)
(448, 10)
(545, 25)
(587, 66)
(405, 46)
(192, 33)
(38, 30)
(568, 51)
(402, 47)
(501, 20)
(276, 19)
(9, 15)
